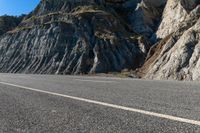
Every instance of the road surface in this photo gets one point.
(73, 104)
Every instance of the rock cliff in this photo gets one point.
(72, 37)
(177, 55)
(157, 38)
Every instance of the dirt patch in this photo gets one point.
(152, 56)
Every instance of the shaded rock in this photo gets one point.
(146, 17)
(71, 37)
(8, 23)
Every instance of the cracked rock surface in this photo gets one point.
(72, 37)
(179, 54)
(157, 39)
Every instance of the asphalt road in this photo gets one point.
(73, 104)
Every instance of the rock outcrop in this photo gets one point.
(72, 37)
(146, 18)
(177, 55)
(157, 39)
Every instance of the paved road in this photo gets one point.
(73, 104)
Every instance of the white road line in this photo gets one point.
(159, 115)
(97, 81)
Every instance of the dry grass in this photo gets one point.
(152, 56)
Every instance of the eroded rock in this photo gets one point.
(179, 56)
(71, 37)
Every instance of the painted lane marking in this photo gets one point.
(159, 115)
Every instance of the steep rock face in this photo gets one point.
(146, 17)
(81, 36)
(71, 37)
(176, 13)
(179, 54)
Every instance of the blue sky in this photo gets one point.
(17, 7)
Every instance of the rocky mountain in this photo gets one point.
(158, 39)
